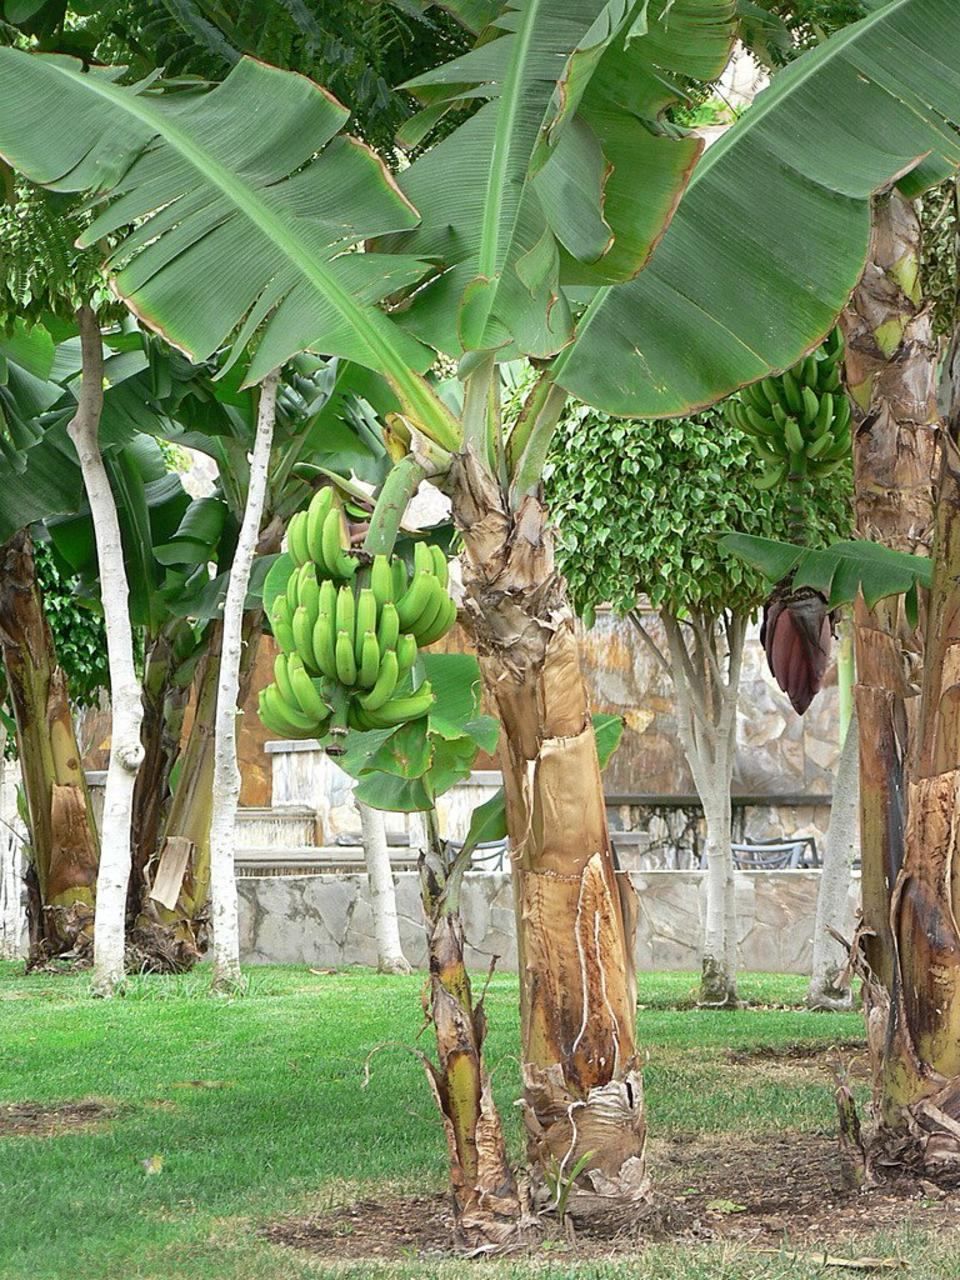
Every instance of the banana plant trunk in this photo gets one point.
(490, 1213)
(576, 914)
(64, 845)
(172, 929)
(908, 944)
(918, 1059)
(891, 374)
(164, 705)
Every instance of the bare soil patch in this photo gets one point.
(49, 1120)
(763, 1193)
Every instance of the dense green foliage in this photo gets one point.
(77, 625)
(359, 51)
(640, 507)
(258, 1109)
(776, 31)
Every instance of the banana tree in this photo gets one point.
(538, 227)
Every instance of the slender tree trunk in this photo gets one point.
(226, 770)
(489, 1210)
(575, 914)
(707, 723)
(126, 751)
(829, 982)
(64, 845)
(11, 874)
(383, 897)
(891, 373)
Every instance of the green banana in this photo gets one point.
(297, 539)
(388, 628)
(324, 643)
(346, 659)
(346, 612)
(303, 637)
(771, 390)
(369, 666)
(445, 619)
(381, 580)
(431, 612)
(280, 622)
(293, 598)
(320, 505)
(411, 605)
(819, 446)
(331, 542)
(811, 405)
(793, 436)
(281, 711)
(308, 591)
(400, 710)
(385, 683)
(276, 723)
(357, 718)
(422, 559)
(365, 620)
(757, 421)
(791, 390)
(441, 567)
(754, 397)
(400, 579)
(406, 653)
(306, 693)
(807, 371)
(281, 678)
(830, 380)
(842, 412)
(824, 419)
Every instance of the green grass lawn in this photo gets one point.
(258, 1109)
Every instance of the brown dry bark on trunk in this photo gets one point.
(65, 847)
(164, 704)
(575, 913)
(891, 369)
(490, 1213)
(173, 935)
(917, 1060)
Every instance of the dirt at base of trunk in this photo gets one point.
(778, 1189)
(48, 1120)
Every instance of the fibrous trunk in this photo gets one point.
(164, 704)
(891, 369)
(489, 1210)
(908, 938)
(172, 928)
(575, 913)
(64, 846)
(383, 897)
(916, 1042)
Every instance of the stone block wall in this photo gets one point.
(325, 921)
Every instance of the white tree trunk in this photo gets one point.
(707, 711)
(11, 870)
(224, 913)
(828, 988)
(126, 751)
(383, 898)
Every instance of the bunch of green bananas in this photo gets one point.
(349, 635)
(799, 422)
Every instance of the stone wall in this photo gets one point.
(325, 921)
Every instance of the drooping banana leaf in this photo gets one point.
(773, 231)
(247, 206)
(564, 174)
